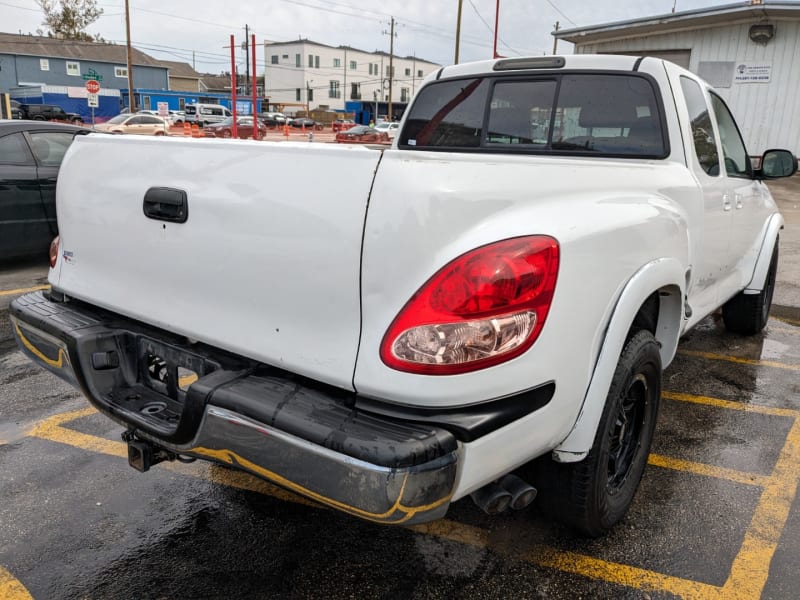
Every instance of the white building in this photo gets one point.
(303, 73)
(748, 51)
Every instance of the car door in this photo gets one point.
(24, 228)
(49, 148)
(711, 233)
(747, 195)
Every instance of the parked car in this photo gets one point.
(137, 123)
(274, 119)
(30, 156)
(343, 124)
(244, 128)
(361, 134)
(203, 114)
(306, 123)
(389, 128)
(48, 112)
(16, 111)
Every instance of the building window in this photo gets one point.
(310, 92)
(408, 72)
(316, 62)
(73, 68)
(333, 90)
(120, 71)
(353, 65)
(388, 73)
(403, 94)
(285, 57)
(274, 59)
(181, 103)
(146, 102)
(44, 64)
(310, 61)
(297, 60)
(355, 91)
(337, 63)
(297, 95)
(370, 68)
(419, 73)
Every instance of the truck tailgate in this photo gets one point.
(266, 265)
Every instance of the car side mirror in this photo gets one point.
(777, 163)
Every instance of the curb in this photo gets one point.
(785, 312)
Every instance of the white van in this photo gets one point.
(203, 114)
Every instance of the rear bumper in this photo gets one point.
(298, 434)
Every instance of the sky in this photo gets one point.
(199, 30)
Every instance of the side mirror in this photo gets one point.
(777, 163)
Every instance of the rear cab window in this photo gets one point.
(609, 114)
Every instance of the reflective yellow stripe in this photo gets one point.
(741, 361)
(677, 464)
(55, 363)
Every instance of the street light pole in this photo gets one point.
(458, 29)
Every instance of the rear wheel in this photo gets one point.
(226, 133)
(593, 495)
(747, 314)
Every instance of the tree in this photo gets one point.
(68, 19)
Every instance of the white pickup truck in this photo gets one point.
(484, 309)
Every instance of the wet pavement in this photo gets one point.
(716, 516)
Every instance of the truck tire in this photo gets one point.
(747, 314)
(593, 495)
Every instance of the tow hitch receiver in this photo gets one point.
(142, 454)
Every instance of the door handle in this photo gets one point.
(726, 202)
(739, 201)
(166, 204)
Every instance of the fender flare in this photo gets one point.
(756, 284)
(666, 276)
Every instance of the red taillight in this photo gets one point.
(483, 308)
(54, 251)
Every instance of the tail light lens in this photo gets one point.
(54, 251)
(485, 307)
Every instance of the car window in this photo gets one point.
(135, 121)
(705, 146)
(49, 147)
(565, 113)
(14, 150)
(734, 153)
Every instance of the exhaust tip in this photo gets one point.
(522, 493)
(491, 498)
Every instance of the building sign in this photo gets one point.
(93, 100)
(752, 73)
(163, 109)
(92, 74)
(243, 108)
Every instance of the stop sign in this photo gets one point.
(93, 86)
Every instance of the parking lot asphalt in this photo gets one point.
(717, 515)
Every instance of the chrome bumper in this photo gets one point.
(305, 438)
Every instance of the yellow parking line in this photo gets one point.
(750, 570)
(786, 320)
(677, 464)
(23, 290)
(748, 574)
(741, 361)
(727, 404)
(11, 588)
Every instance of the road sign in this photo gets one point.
(93, 86)
(94, 101)
(92, 74)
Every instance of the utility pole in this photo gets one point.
(555, 39)
(344, 91)
(246, 58)
(131, 95)
(391, 67)
(458, 29)
(496, 25)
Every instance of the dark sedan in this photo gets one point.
(30, 156)
(306, 123)
(361, 134)
(244, 128)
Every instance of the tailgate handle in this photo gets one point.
(166, 204)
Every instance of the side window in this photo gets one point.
(448, 114)
(702, 127)
(14, 150)
(135, 121)
(734, 153)
(49, 147)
